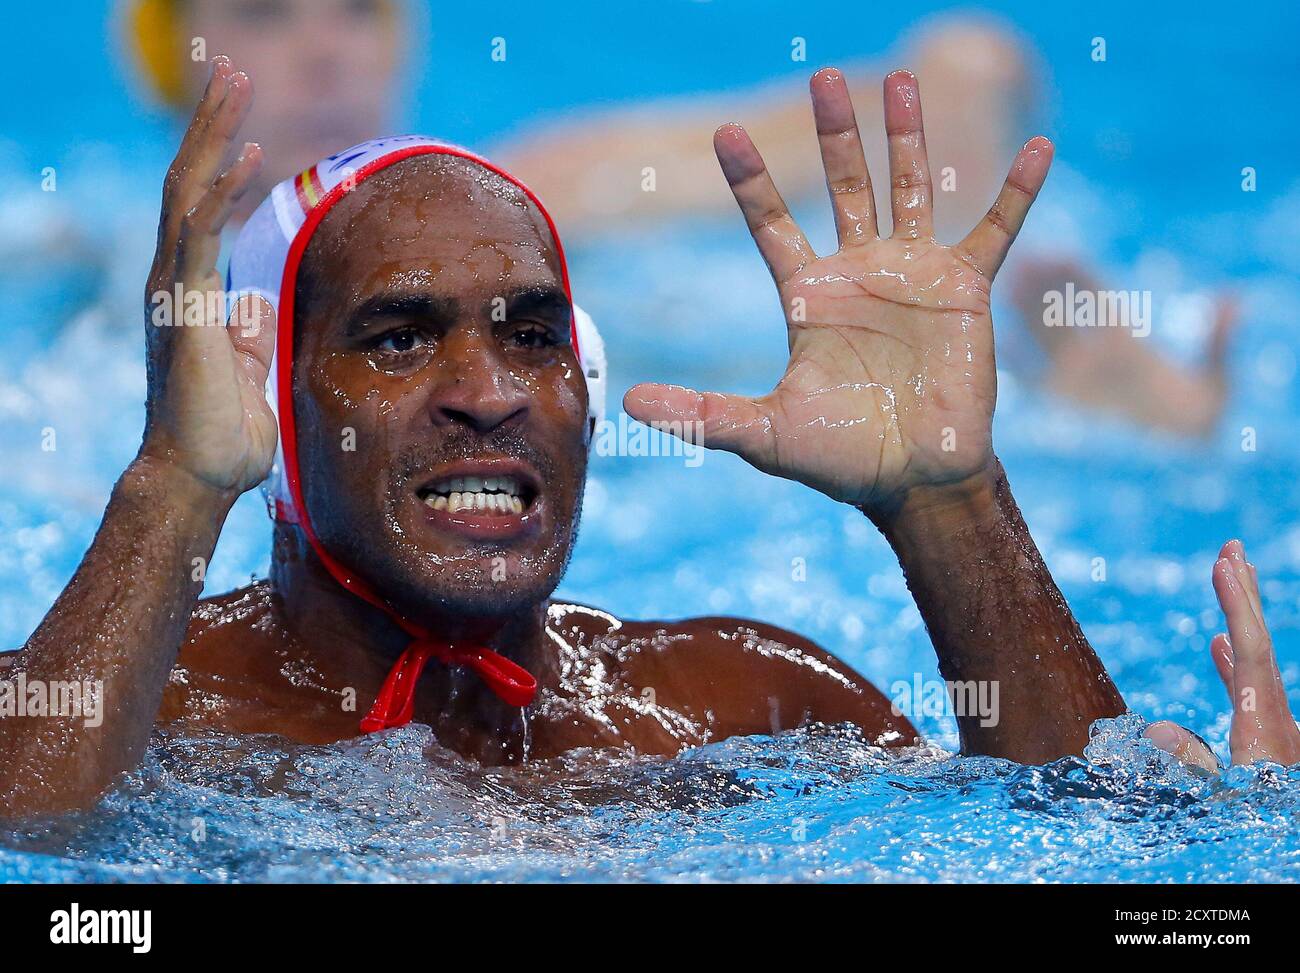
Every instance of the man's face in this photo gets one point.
(441, 408)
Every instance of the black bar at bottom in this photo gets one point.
(355, 923)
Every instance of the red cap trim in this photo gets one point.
(511, 682)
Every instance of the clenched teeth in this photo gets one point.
(491, 495)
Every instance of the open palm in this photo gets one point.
(891, 380)
(206, 411)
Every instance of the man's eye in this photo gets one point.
(400, 341)
(533, 337)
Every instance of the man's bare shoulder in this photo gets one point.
(226, 635)
(239, 622)
(748, 676)
(239, 670)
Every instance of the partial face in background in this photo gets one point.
(323, 70)
(441, 408)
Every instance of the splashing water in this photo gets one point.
(809, 805)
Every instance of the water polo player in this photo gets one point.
(431, 396)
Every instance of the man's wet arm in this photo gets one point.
(1000, 626)
(84, 691)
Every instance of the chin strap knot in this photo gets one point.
(513, 684)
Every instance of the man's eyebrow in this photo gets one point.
(399, 304)
(537, 297)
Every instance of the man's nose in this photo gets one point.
(476, 387)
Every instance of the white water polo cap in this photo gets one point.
(269, 250)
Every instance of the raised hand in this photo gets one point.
(1262, 725)
(209, 435)
(891, 381)
(207, 415)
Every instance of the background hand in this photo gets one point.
(207, 414)
(891, 380)
(1262, 725)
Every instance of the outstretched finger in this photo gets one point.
(909, 166)
(212, 130)
(199, 241)
(986, 246)
(713, 419)
(1235, 552)
(847, 176)
(214, 93)
(778, 237)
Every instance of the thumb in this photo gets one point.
(714, 419)
(1183, 744)
(251, 328)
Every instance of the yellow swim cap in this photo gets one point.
(155, 33)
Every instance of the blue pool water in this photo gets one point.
(691, 303)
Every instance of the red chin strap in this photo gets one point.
(512, 683)
(396, 701)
